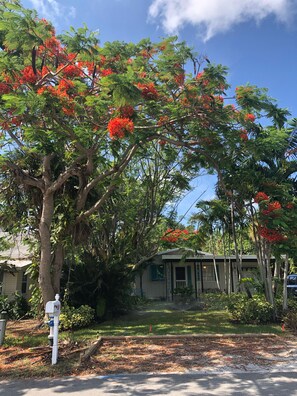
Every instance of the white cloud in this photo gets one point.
(217, 16)
(53, 10)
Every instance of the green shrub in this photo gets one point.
(76, 317)
(183, 291)
(215, 301)
(16, 308)
(253, 310)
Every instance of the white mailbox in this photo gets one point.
(53, 309)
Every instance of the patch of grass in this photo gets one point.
(156, 320)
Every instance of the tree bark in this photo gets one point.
(285, 290)
(47, 290)
(57, 267)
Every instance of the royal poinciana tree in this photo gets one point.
(73, 114)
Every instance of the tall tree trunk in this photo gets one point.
(285, 290)
(236, 250)
(47, 290)
(214, 261)
(57, 266)
(268, 276)
(263, 249)
(227, 274)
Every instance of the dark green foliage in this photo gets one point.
(105, 288)
(183, 291)
(215, 301)
(16, 308)
(255, 310)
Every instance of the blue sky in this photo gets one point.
(255, 39)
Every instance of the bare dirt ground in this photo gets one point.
(154, 355)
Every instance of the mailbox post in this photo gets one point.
(53, 309)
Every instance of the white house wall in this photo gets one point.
(9, 284)
(157, 289)
(13, 283)
(151, 289)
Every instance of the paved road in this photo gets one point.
(246, 384)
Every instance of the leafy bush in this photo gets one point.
(4, 304)
(76, 317)
(215, 301)
(253, 310)
(183, 291)
(183, 294)
(16, 308)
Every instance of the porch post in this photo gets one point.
(195, 277)
(172, 282)
(232, 276)
(201, 276)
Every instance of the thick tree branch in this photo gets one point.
(117, 172)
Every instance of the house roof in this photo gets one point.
(18, 263)
(182, 252)
(18, 254)
(205, 257)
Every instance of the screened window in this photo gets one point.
(157, 272)
(209, 273)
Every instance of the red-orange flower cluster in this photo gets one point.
(271, 235)
(126, 111)
(290, 205)
(148, 91)
(28, 76)
(119, 127)
(172, 235)
(4, 88)
(250, 117)
(106, 72)
(71, 71)
(261, 196)
(272, 206)
(180, 79)
(244, 135)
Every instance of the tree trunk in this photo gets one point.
(263, 250)
(57, 267)
(285, 291)
(240, 287)
(214, 262)
(47, 290)
(268, 275)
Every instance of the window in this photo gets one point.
(157, 272)
(180, 277)
(24, 283)
(180, 273)
(209, 273)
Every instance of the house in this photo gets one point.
(175, 269)
(14, 261)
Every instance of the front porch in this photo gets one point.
(169, 273)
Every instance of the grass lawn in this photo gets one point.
(156, 318)
(161, 319)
